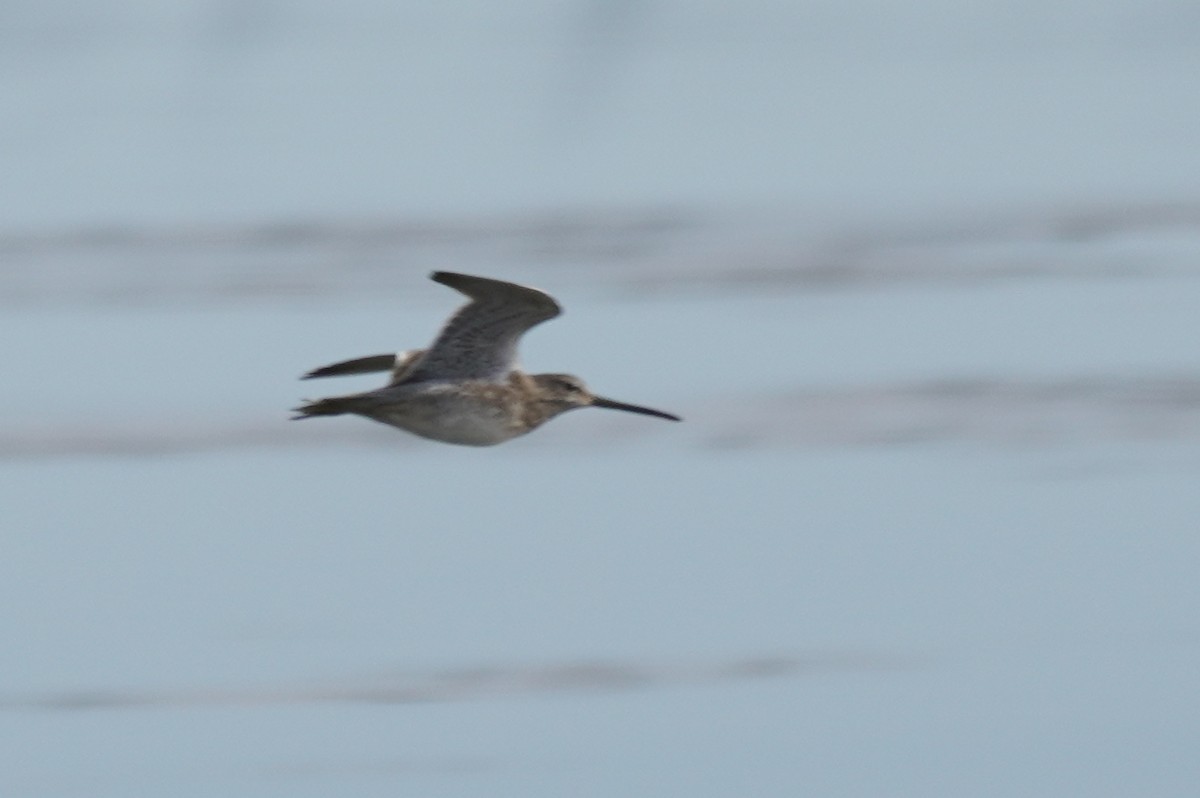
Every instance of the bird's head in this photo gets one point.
(566, 392)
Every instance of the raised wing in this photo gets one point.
(480, 339)
(397, 363)
(360, 365)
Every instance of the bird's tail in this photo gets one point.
(335, 406)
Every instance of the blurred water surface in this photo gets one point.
(922, 283)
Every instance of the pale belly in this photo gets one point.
(444, 415)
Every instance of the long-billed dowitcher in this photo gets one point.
(466, 387)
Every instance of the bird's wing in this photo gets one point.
(397, 363)
(480, 339)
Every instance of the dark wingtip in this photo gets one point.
(358, 365)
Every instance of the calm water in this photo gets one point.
(929, 526)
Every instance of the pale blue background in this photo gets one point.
(921, 277)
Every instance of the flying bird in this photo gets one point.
(467, 388)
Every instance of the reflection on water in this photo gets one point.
(467, 684)
(987, 411)
(805, 499)
(662, 254)
(669, 250)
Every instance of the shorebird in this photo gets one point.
(467, 388)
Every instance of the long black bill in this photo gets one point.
(600, 401)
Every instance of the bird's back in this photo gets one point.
(480, 340)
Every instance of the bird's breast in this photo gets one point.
(484, 416)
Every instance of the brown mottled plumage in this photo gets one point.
(466, 388)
